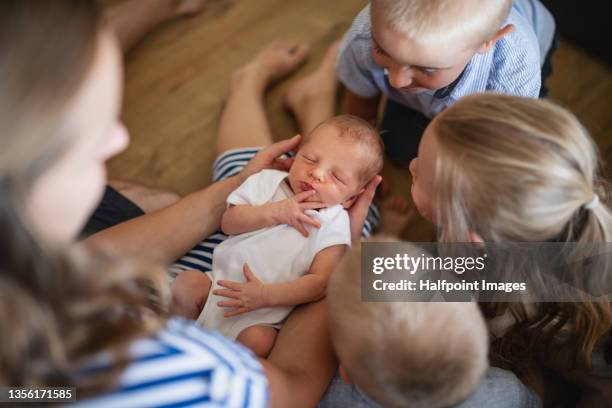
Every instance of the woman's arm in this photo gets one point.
(302, 361)
(165, 235)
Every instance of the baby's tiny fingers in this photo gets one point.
(226, 293)
(229, 303)
(230, 284)
(235, 312)
(298, 226)
(311, 205)
(304, 195)
(311, 221)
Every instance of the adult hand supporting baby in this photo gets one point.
(269, 157)
(359, 209)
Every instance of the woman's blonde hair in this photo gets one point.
(513, 169)
(58, 308)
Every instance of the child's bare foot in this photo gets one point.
(148, 199)
(396, 215)
(273, 62)
(188, 7)
(312, 98)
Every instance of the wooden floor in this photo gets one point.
(176, 80)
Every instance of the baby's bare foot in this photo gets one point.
(272, 63)
(315, 93)
(396, 215)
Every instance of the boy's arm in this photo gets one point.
(365, 108)
(254, 294)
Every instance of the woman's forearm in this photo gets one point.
(302, 361)
(167, 234)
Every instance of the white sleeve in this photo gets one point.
(258, 189)
(244, 194)
(335, 232)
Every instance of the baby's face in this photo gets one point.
(411, 67)
(329, 165)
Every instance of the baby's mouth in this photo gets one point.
(306, 186)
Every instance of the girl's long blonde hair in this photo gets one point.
(58, 307)
(513, 169)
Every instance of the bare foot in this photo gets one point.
(273, 62)
(188, 7)
(312, 98)
(148, 199)
(396, 215)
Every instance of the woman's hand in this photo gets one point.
(359, 209)
(269, 158)
(291, 212)
(245, 297)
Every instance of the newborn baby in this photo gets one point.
(288, 231)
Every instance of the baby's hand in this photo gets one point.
(245, 297)
(291, 211)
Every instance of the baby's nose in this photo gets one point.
(318, 174)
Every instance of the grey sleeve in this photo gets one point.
(351, 68)
(501, 389)
(498, 388)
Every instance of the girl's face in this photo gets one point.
(423, 170)
(63, 198)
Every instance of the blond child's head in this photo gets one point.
(426, 44)
(499, 168)
(505, 168)
(405, 354)
(336, 160)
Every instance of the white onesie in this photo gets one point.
(274, 254)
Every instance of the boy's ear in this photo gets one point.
(348, 203)
(502, 32)
(344, 375)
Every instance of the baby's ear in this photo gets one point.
(502, 32)
(348, 203)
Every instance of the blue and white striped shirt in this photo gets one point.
(512, 66)
(183, 365)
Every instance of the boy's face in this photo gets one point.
(330, 165)
(412, 67)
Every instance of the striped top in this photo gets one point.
(512, 66)
(185, 366)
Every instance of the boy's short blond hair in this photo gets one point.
(405, 354)
(437, 21)
(363, 133)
